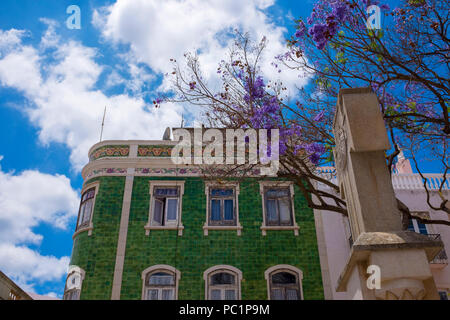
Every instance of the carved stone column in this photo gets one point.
(375, 221)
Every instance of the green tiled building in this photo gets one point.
(150, 229)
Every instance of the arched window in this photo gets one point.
(284, 283)
(222, 283)
(74, 282)
(160, 283)
(86, 208)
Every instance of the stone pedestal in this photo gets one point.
(375, 221)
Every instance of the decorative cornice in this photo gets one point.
(154, 150)
(110, 151)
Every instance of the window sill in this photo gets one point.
(83, 229)
(180, 228)
(295, 227)
(206, 228)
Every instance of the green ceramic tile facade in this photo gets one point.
(192, 253)
(96, 254)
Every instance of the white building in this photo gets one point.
(334, 237)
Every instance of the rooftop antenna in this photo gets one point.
(103, 124)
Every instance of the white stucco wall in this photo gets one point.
(336, 248)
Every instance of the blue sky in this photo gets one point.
(55, 82)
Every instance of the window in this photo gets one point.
(222, 283)
(443, 295)
(13, 295)
(161, 286)
(284, 283)
(222, 205)
(87, 202)
(160, 283)
(86, 211)
(222, 208)
(417, 226)
(278, 206)
(74, 282)
(72, 295)
(165, 206)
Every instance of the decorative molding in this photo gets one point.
(169, 171)
(110, 151)
(106, 171)
(154, 151)
(401, 289)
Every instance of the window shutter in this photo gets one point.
(422, 228)
(285, 212)
(215, 210)
(172, 209)
(230, 295)
(229, 214)
(277, 294)
(215, 294)
(80, 218)
(87, 211)
(291, 294)
(152, 294)
(167, 294)
(271, 210)
(158, 210)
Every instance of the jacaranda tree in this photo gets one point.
(405, 62)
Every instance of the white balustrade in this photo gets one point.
(402, 181)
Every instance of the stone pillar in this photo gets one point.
(375, 221)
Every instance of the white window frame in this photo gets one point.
(160, 268)
(81, 273)
(284, 268)
(219, 269)
(90, 226)
(171, 224)
(231, 185)
(277, 184)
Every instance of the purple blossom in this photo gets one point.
(315, 148)
(301, 29)
(319, 116)
(314, 158)
(340, 11)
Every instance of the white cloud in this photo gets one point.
(65, 101)
(28, 200)
(66, 105)
(10, 39)
(162, 29)
(27, 267)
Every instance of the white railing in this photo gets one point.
(400, 181)
(328, 173)
(413, 181)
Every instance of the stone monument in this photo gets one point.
(401, 256)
